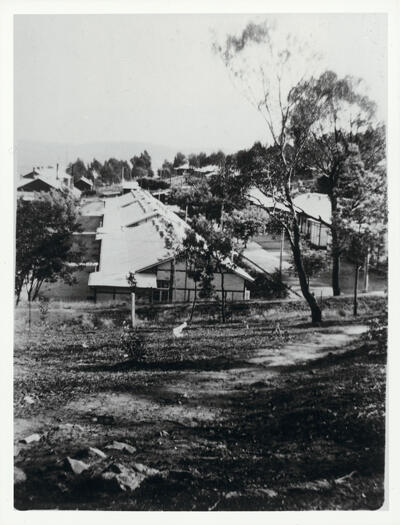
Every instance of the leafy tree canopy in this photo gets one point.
(44, 241)
(141, 165)
(78, 169)
(179, 160)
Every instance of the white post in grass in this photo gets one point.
(132, 281)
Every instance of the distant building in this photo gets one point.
(129, 185)
(46, 179)
(132, 239)
(184, 169)
(314, 213)
(84, 184)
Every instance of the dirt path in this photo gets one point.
(190, 397)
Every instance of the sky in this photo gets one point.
(155, 79)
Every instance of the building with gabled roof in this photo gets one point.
(313, 210)
(46, 179)
(84, 184)
(133, 240)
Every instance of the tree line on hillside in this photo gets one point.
(113, 171)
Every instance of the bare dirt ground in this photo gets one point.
(230, 417)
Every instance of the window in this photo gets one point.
(162, 283)
(161, 296)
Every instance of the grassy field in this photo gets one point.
(244, 416)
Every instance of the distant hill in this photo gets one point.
(35, 153)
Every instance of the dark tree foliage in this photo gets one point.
(268, 286)
(114, 171)
(210, 250)
(197, 199)
(96, 165)
(372, 146)
(141, 165)
(78, 170)
(153, 184)
(202, 159)
(347, 120)
(44, 241)
(179, 160)
(166, 170)
(314, 261)
(194, 160)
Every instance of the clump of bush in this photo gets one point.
(106, 322)
(152, 184)
(44, 303)
(377, 331)
(87, 321)
(268, 286)
(132, 342)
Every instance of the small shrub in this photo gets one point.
(281, 335)
(44, 303)
(268, 287)
(106, 322)
(377, 332)
(87, 321)
(132, 342)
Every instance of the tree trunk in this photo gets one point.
(223, 297)
(355, 301)
(335, 264)
(335, 250)
(316, 314)
(29, 309)
(366, 273)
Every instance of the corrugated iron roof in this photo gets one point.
(52, 182)
(315, 205)
(133, 237)
(263, 259)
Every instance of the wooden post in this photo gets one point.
(133, 312)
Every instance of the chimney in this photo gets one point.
(57, 171)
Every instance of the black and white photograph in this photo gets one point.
(200, 265)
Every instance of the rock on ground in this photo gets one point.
(76, 465)
(19, 475)
(117, 445)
